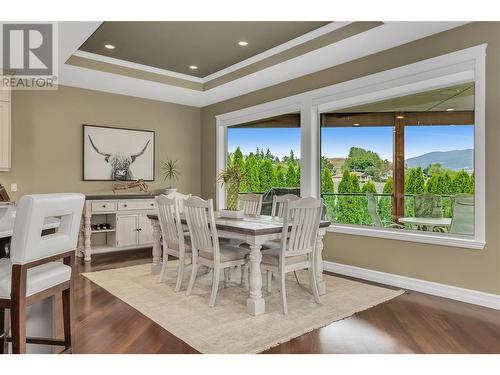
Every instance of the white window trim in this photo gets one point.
(453, 68)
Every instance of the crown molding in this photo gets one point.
(388, 35)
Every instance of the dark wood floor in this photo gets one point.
(411, 323)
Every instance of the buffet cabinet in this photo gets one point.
(114, 223)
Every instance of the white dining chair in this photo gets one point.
(181, 198)
(34, 272)
(173, 236)
(278, 207)
(250, 203)
(298, 244)
(205, 246)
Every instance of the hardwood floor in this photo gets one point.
(411, 323)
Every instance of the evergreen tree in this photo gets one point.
(355, 187)
(269, 155)
(266, 176)
(461, 183)
(385, 202)
(279, 176)
(291, 175)
(415, 182)
(472, 184)
(252, 172)
(326, 180)
(388, 186)
(434, 185)
(369, 187)
(345, 183)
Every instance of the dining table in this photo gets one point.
(429, 223)
(255, 230)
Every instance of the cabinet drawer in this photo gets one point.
(103, 206)
(136, 204)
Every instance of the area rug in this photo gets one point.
(227, 328)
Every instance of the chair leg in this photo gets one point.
(18, 309)
(283, 292)
(215, 286)
(163, 273)
(67, 321)
(3, 332)
(227, 277)
(194, 271)
(296, 277)
(312, 281)
(180, 273)
(269, 281)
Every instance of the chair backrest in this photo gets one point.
(170, 222)
(278, 209)
(300, 226)
(28, 244)
(427, 205)
(372, 210)
(462, 221)
(201, 223)
(181, 198)
(250, 203)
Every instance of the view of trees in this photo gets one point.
(348, 205)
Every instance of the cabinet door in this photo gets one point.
(146, 230)
(4, 136)
(127, 233)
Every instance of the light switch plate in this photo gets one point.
(13, 187)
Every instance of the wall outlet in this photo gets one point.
(13, 188)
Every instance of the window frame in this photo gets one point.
(453, 68)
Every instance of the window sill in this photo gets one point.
(422, 237)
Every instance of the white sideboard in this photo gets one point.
(129, 229)
(5, 130)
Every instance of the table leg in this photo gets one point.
(255, 303)
(319, 264)
(87, 231)
(156, 265)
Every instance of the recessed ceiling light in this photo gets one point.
(400, 116)
(193, 67)
(450, 109)
(243, 43)
(109, 46)
(355, 124)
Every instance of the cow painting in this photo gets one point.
(120, 162)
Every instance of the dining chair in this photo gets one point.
(181, 198)
(205, 246)
(373, 212)
(173, 240)
(250, 203)
(462, 221)
(278, 207)
(298, 245)
(34, 272)
(428, 205)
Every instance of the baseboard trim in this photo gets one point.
(423, 286)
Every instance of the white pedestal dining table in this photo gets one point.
(255, 230)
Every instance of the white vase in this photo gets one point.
(169, 190)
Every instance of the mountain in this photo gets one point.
(455, 159)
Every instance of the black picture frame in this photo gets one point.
(85, 146)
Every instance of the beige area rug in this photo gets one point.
(227, 328)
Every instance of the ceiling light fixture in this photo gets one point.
(400, 117)
(193, 67)
(109, 46)
(355, 124)
(243, 43)
(450, 109)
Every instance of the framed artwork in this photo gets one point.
(118, 154)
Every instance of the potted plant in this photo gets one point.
(171, 172)
(231, 177)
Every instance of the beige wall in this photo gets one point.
(47, 138)
(474, 269)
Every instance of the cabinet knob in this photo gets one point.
(152, 204)
(103, 206)
(124, 205)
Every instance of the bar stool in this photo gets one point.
(34, 271)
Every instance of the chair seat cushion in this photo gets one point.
(227, 253)
(272, 256)
(39, 278)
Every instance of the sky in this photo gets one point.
(336, 142)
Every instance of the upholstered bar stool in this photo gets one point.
(34, 271)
